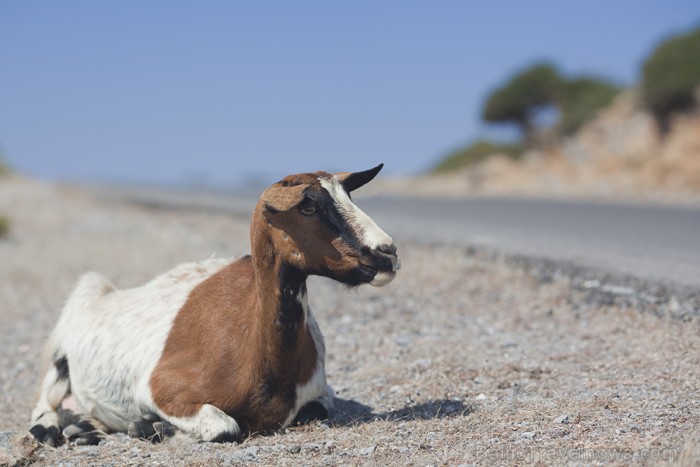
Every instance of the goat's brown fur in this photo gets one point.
(220, 314)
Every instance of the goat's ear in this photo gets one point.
(354, 180)
(283, 198)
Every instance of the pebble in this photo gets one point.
(562, 419)
(481, 397)
(250, 452)
(368, 451)
(528, 435)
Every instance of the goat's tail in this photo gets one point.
(90, 286)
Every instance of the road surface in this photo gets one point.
(649, 242)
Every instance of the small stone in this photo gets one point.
(562, 419)
(528, 435)
(423, 363)
(635, 427)
(16, 448)
(368, 451)
(250, 453)
(296, 449)
(481, 397)
(618, 289)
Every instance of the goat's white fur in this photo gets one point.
(363, 226)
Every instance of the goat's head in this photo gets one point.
(314, 226)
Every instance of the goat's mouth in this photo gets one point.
(380, 271)
(368, 269)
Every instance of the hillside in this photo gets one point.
(620, 154)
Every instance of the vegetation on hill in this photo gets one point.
(475, 152)
(583, 98)
(542, 86)
(522, 99)
(670, 84)
(671, 75)
(4, 221)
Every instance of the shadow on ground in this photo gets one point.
(350, 412)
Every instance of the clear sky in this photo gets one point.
(221, 92)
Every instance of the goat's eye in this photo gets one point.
(308, 210)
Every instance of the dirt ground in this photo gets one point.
(467, 358)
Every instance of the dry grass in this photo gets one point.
(466, 358)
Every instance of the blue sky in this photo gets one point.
(224, 92)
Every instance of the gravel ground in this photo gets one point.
(468, 357)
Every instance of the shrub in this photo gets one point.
(670, 76)
(476, 152)
(582, 98)
(4, 226)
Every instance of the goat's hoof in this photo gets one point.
(50, 436)
(313, 411)
(151, 429)
(83, 433)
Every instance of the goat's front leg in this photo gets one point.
(150, 427)
(209, 424)
(311, 412)
(317, 409)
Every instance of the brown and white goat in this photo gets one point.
(216, 349)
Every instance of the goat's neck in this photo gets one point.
(282, 297)
(281, 301)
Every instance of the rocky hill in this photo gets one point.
(620, 154)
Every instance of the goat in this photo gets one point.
(214, 349)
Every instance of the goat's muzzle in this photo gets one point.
(383, 262)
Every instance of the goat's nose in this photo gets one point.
(390, 250)
(387, 249)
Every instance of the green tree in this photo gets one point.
(519, 99)
(670, 76)
(582, 98)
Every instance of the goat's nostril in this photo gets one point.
(387, 249)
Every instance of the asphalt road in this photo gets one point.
(650, 242)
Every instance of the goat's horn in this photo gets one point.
(353, 181)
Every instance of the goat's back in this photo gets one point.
(112, 339)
